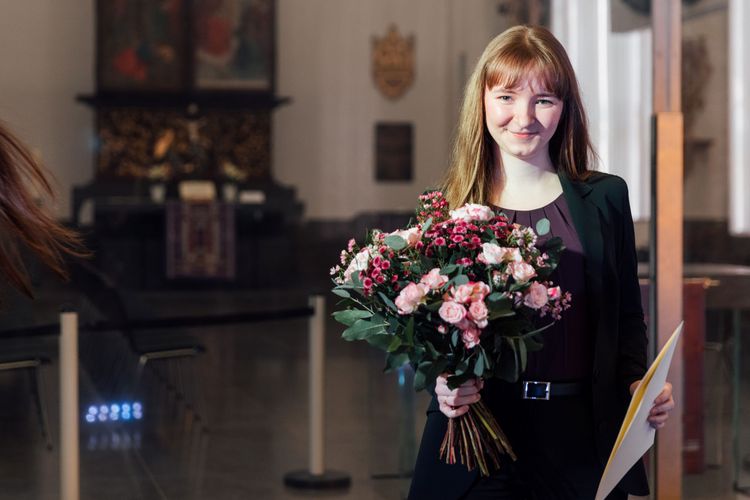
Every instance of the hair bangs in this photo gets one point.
(510, 69)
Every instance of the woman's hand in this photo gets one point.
(454, 403)
(663, 404)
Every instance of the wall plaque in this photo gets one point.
(393, 63)
(394, 151)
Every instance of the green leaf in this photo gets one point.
(349, 316)
(434, 354)
(355, 280)
(396, 343)
(537, 331)
(522, 353)
(542, 226)
(388, 302)
(421, 375)
(380, 341)
(341, 293)
(479, 365)
(454, 338)
(409, 332)
(395, 242)
(362, 329)
(448, 269)
(395, 361)
(426, 225)
(462, 367)
(460, 279)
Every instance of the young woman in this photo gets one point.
(522, 146)
(25, 226)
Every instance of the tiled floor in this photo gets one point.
(254, 381)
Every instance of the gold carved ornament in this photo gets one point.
(393, 63)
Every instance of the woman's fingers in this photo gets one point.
(454, 400)
(665, 394)
(453, 412)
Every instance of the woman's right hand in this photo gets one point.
(455, 402)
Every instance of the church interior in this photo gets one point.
(194, 145)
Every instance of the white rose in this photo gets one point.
(472, 211)
(358, 263)
(521, 271)
(494, 254)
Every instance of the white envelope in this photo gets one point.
(636, 434)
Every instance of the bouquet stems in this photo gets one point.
(480, 440)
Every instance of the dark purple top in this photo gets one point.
(568, 344)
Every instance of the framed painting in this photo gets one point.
(141, 45)
(233, 45)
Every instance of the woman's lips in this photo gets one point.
(523, 135)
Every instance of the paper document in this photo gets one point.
(636, 434)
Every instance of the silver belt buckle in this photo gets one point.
(528, 383)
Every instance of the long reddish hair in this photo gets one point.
(516, 54)
(24, 224)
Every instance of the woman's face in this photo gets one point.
(522, 120)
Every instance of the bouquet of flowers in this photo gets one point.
(463, 292)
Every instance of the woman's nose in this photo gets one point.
(524, 115)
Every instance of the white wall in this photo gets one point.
(324, 140)
(46, 55)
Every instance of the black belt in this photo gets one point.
(536, 389)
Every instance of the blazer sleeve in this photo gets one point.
(632, 338)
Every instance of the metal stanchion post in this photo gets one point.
(317, 477)
(69, 456)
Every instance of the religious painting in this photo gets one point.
(234, 44)
(141, 44)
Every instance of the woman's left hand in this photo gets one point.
(663, 404)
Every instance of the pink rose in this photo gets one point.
(521, 271)
(536, 296)
(411, 235)
(479, 291)
(554, 293)
(472, 211)
(463, 293)
(452, 312)
(410, 297)
(434, 280)
(478, 313)
(470, 337)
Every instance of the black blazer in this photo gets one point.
(601, 215)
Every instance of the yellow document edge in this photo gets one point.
(637, 399)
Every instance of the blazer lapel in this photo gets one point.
(587, 222)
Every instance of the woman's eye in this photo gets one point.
(544, 102)
(504, 98)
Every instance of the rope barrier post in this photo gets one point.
(69, 455)
(317, 477)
